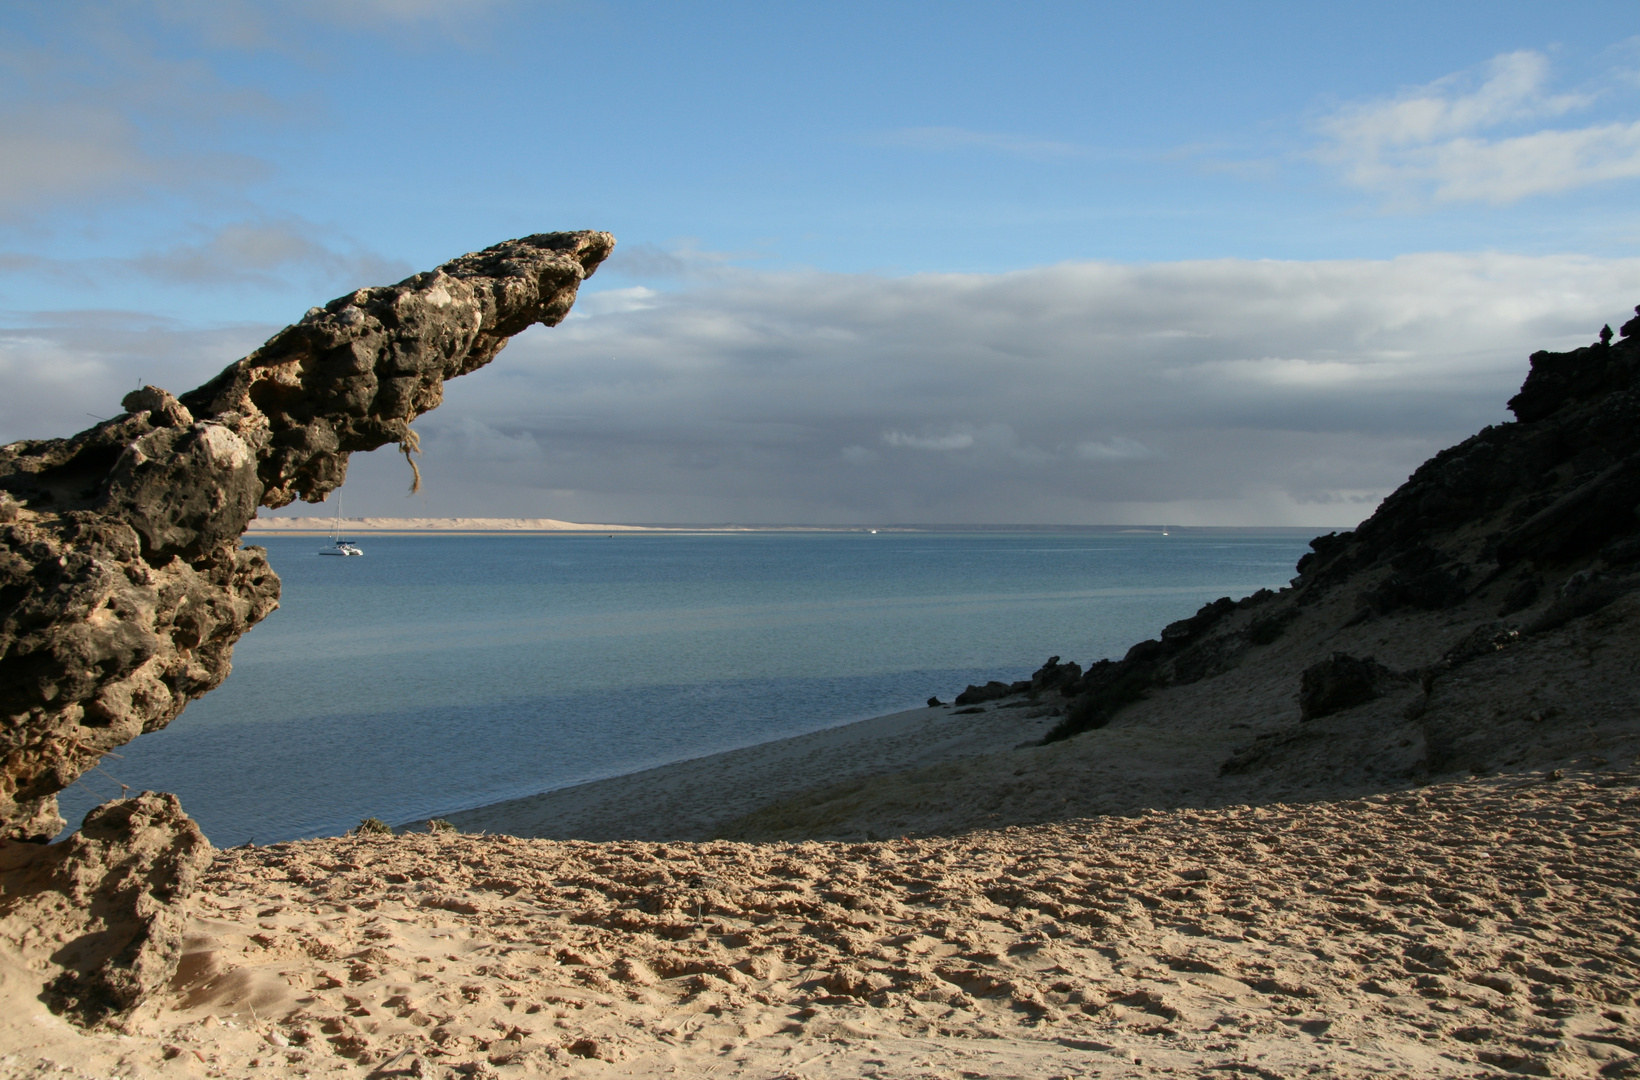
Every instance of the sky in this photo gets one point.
(877, 263)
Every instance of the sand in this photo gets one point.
(1484, 927)
(693, 800)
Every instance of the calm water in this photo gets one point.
(440, 673)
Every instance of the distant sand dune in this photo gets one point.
(431, 524)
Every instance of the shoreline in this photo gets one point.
(690, 800)
(412, 526)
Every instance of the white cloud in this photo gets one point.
(1507, 170)
(1513, 89)
(105, 102)
(958, 441)
(614, 301)
(684, 259)
(440, 14)
(51, 152)
(64, 370)
(93, 107)
(1443, 142)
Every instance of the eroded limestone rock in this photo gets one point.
(122, 583)
(99, 915)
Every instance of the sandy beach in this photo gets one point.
(1478, 928)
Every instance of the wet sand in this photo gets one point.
(692, 800)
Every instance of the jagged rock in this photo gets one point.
(1104, 689)
(1584, 593)
(1144, 652)
(991, 691)
(101, 912)
(1108, 685)
(1557, 486)
(1323, 548)
(1340, 682)
(1054, 675)
(1581, 520)
(1560, 379)
(1521, 595)
(1482, 641)
(1267, 630)
(1421, 579)
(1177, 633)
(122, 583)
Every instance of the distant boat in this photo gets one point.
(338, 545)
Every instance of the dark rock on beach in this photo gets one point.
(1340, 682)
(991, 691)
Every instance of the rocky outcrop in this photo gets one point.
(1340, 682)
(991, 691)
(99, 915)
(1535, 523)
(123, 586)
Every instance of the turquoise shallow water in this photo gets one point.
(443, 672)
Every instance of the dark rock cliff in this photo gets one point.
(123, 586)
(1511, 534)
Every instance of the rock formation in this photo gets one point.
(1479, 530)
(100, 910)
(123, 586)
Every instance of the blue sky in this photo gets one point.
(1078, 263)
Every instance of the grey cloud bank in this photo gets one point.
(1215, 392)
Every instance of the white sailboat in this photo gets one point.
(338, 545)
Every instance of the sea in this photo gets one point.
(442, 672)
